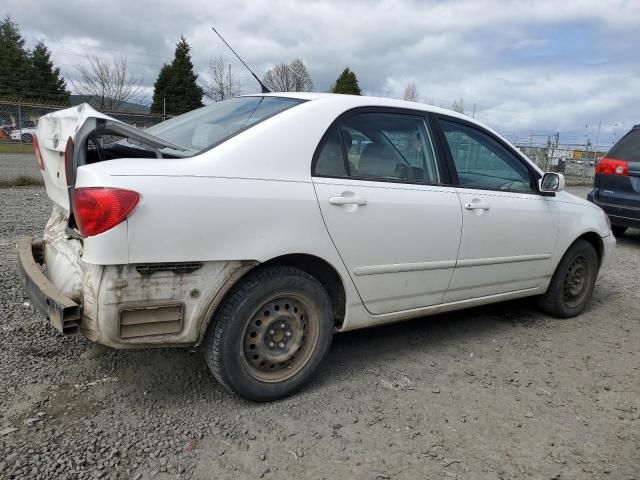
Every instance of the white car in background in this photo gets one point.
(24, 134)
(259, 226)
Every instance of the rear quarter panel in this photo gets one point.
(249, 199)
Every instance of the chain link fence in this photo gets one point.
(18, 121)
(575, 161)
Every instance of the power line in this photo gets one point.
(95, 47)
(64, 52)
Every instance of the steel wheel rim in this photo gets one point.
(576, 281)
(279, 338)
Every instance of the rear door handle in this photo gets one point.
(350, 200)
(476, 206)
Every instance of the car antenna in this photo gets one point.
(262, 85)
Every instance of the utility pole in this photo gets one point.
(597, 140)
(553, 148)
(473, 115)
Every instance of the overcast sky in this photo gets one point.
(530, 67)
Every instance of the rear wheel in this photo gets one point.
(573, 281)
(27, 138)
(270, 334)
(618, 230)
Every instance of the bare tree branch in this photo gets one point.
(411, 93)
(107, 83)
(292, 77)
(458, 106)
(223, 84)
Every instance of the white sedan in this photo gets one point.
(258, 226)
(24, 134)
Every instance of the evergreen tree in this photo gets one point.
(46, 83)
(346, 83)
(14, 60)
(177, 84)
(160, 89)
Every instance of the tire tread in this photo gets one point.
(551, 301)
(226, 313)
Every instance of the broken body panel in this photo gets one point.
(100, 294)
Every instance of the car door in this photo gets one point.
(509, 229)
(396, 227)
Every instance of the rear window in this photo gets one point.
(207, 126)
(628, 147)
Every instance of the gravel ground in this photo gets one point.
(500, 392)
(13, 165)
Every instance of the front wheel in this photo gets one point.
(270, 334)
(573, 281)
(27, 138)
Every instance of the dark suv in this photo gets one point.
(616, 187)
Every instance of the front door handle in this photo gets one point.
(350, 200)
(476, 205)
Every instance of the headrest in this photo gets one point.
(207, 134)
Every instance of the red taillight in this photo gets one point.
(611, 166)
(98, 209)
(37, 152)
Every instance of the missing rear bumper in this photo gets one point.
(61, 311)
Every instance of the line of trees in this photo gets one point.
(30, 75)
(27, 74)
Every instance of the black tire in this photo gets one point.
(270, 333)
(27, 138)
(618, 230)
(572, 283)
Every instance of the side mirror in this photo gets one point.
(552, 182)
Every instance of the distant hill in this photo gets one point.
(94, 101)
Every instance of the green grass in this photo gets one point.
(21, 181)
(6, 147)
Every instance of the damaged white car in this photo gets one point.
(259, 226)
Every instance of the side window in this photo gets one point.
(330, 161)
(379, 146)
(482, 162)
(386, 146)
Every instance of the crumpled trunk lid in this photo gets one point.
(78, 124)
(53, 132)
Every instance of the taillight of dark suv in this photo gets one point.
(616, 186)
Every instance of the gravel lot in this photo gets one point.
(501, 392)
(13, 165)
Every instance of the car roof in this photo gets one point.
(352, 101)
(347, 102)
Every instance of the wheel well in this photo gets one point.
(595, 240)
(322, 271)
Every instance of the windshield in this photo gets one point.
(202, 128)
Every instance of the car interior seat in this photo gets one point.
(377, 160)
